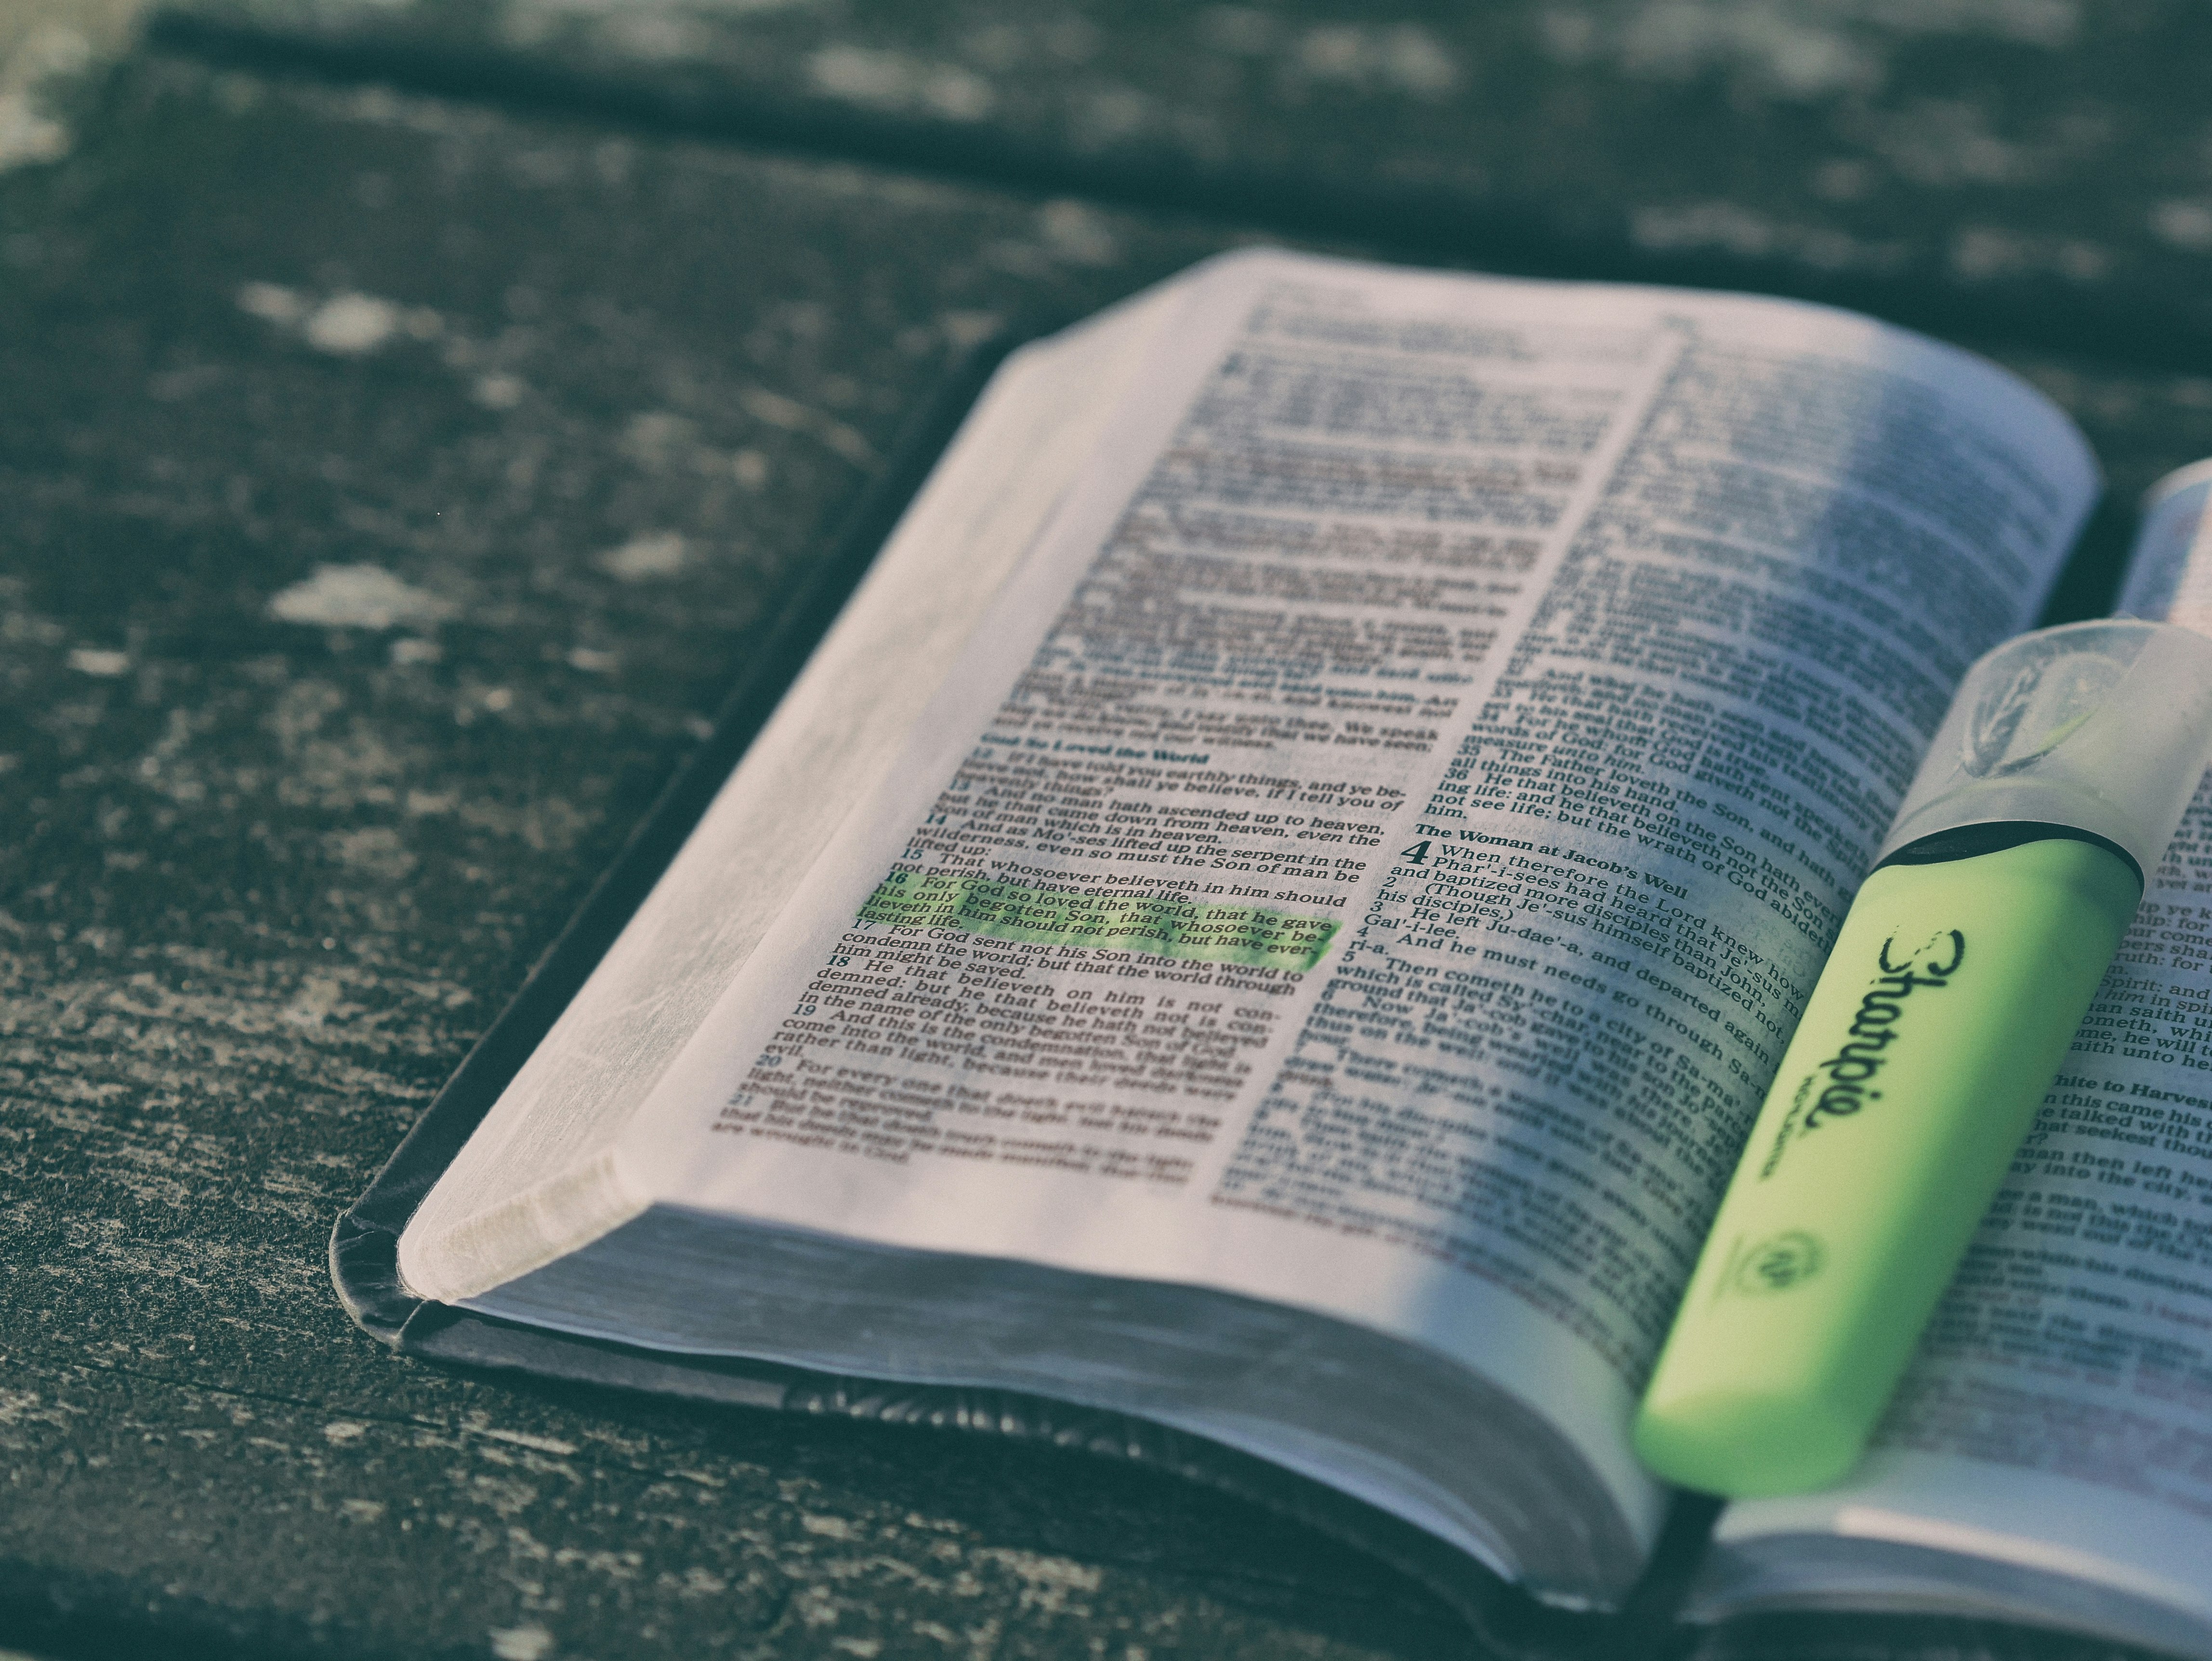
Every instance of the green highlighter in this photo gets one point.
(1952, 993)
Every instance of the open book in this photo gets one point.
(1275, 906)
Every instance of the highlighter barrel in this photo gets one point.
(1930, 1041)
(1964, 966)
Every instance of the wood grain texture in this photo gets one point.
(2019, 164)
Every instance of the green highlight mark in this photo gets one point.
(1162, 926)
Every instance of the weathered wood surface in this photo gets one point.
(2040, 164)
(388, 487)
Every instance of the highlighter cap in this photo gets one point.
(2105, 728)
(2169, 575)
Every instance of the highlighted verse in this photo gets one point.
(1161, 926)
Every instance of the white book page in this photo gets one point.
(2059, 1414)
(1412, 787)
(830, 741)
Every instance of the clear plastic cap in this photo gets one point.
(2105, 728)
(2169, 574)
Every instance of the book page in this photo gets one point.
(2059, 1415)
(911, 617)
(1411, 788)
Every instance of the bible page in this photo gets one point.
(1382, 841)
(2058, 1418)
(511, 1198)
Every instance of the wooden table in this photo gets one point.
(409, 417)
